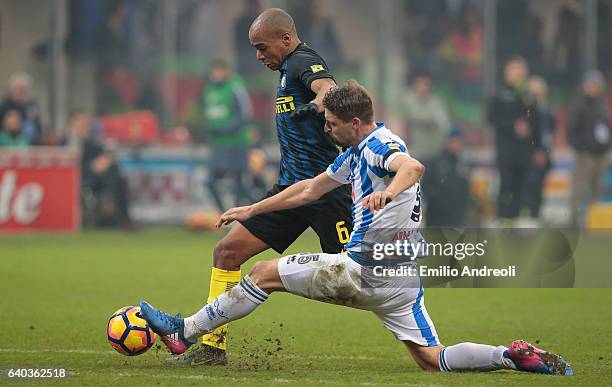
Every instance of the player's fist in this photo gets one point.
(236, 213)
(304, 111)
(377, 200)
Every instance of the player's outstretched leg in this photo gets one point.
(521, 356)
(234, 249)
(178, 333)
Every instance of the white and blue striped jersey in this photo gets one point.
(366, 168)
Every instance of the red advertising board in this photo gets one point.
(39, 190)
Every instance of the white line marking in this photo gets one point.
(207, 377)
(300, 381)
(110, 352)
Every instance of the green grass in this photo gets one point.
(58, 291)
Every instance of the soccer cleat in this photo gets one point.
(169, 328)
(528, 358)
(201, 355)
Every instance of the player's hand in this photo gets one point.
(236, 213)
(304, 111)
(377, 200)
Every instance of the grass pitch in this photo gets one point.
(59, 290)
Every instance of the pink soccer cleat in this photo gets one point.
(170, 329)
(528, 358)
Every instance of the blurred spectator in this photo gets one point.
(104, 189)
(20, 98)
(446, 185)
(227, 114)
(318, 31)
(11, 132)
(541, 163)
(245, 59)
(117, 89)
(118, 92)
(427, 119)
(112, 38)
(604, 35)
(569, 48)
(517, 136)
(463, 47)
(589, 135)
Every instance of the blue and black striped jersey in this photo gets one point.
(306, 150)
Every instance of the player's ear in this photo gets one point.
(286, 38)
(356, 123)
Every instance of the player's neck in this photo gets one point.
(364, 132)
(293, 46)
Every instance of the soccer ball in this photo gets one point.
(128, 333)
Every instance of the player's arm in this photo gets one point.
(313, 73)
(407, 170)
(320, 87)
(296, 195)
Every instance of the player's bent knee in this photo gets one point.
(265, 275)
(236, 248)
(425, 357)
(226, 257)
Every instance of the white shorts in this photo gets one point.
(336, 279)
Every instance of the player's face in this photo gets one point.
(343, 133)
(270, 50)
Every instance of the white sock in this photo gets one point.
(473, 357)
(229, 306)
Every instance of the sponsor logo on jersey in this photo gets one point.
(317, 68)
(284, 104)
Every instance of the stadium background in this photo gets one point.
(143, 88)
(155, 62)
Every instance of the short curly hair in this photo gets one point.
(349, 101)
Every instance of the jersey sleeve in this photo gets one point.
(309, 67)
(340, 169)
(383, 152)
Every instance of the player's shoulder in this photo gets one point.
(304, 51)
(384, 139)
(345, 156)
(386, 135)
(305, 56)
(343, 159)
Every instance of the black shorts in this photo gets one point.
(330, 217)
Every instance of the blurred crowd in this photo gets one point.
(226, 107)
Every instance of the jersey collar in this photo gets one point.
(364, 140)
(291, 53)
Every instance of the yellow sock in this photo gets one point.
(220, 281)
